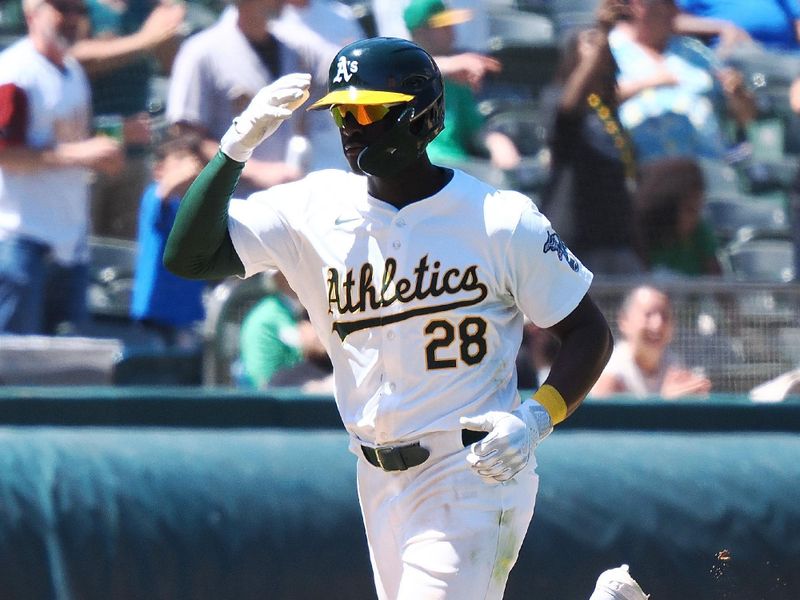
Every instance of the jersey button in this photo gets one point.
(390, 335)
(396, 244)
(401, 222)
(392, 387)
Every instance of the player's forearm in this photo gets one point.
(586, 344)
(199, 245)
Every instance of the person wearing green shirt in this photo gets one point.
(431, 25)
(669, 206)
(269, 339)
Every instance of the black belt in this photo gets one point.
(400, 458)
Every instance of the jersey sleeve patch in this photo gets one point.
(14, 113)
(556, 245)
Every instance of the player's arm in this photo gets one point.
(586, 344)
(199, 245)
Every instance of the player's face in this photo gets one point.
(359, 126)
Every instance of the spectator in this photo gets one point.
(471, 35)
(669, 206)
(773, 24)
(469, 66)
(643, 363)
(46, 157)
(431, 26)
(218, 71)
(276, 335)
(316, 29)
(169, 304)
(129, 42)
(593, 168)
(677, 100)
(777, 389)
(314, 373)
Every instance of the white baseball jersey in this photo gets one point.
(52, 204)
(421, 308)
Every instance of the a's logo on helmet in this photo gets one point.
(345, 69)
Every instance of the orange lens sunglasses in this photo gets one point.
(364, 114)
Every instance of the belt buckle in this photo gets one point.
(392, 453)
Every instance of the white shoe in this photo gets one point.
(617, 584)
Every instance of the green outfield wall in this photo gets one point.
(205, 494)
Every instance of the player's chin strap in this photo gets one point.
(393, 152)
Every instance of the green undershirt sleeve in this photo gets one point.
(199, 245)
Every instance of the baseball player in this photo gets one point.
(417, 279)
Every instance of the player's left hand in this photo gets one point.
(512, 437)
(270, 107)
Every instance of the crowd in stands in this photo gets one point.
(648, 101)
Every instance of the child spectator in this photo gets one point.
(161, 300)
(673, 235)
(279, 346)
(643, 362)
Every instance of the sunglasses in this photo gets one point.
(363, 114)
(66, 7)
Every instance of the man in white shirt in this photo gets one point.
(46, 159)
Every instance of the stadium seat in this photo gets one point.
(228, 303)
(571, 14)
(111, 267)
(514, 27)
(720, 178)
(740, 217)
(527, 69)
(523, 124)
(765, 260)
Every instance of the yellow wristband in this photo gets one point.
(553, 402)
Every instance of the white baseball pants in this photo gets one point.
(438, 531)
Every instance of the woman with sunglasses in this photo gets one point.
(417, 279)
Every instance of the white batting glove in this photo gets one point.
(270, 107)
(512, 437)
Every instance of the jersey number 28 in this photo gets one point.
(471, 342)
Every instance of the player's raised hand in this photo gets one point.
(270, 107)
(512, 437)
